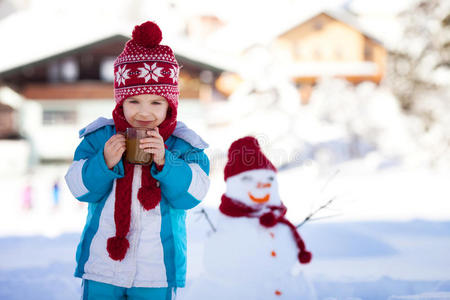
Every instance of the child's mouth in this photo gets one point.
(144, 123)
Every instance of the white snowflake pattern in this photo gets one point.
(174, 74)
(148, 72)
(122, 75)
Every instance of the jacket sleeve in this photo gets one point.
(184, 179)
(88, 178)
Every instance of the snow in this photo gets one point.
(430, 296)
(352, 260)
(333, 68)
(401, 253)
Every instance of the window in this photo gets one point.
(66, 70)
(69, 70)
(338, 54)
(299, 50)
(107, 69)
(318, 25)
(317, 54)
(368, 52)
(59, 117)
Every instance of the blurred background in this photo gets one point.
(348, 98)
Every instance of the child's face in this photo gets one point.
(145, 110)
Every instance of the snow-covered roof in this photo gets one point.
(266, 26)
(26, 39)
(45, 31)
(333, 69)
(339, 14)
(211, 57)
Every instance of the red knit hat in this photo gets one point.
(244, 155)
(146, 67)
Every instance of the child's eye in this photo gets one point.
(156, 103)
(133, 101)
(246, 178)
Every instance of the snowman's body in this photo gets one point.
(245, 260)
(255, 259)
(253, 253)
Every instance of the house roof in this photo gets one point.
(236, 37)
(34, 36)
(63, 53)
(340, 15)
(5, 108)
(31, 41)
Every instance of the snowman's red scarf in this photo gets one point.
(149, 194)
(234, 208)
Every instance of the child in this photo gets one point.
(133, 245)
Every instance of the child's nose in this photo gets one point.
(262, 185)
(146, 115)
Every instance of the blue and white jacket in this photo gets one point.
(157, 253)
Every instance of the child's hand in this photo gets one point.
(114, 149)
(154, 144)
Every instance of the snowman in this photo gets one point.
(254, 249)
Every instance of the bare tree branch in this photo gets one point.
(308, 218)
(203, 211)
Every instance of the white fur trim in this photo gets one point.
(99, 123)
(199, 183)
(74, 178)
(189, 135)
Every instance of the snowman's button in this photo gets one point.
(278, 293)
(273, 253)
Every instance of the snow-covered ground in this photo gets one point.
(368, 260)
(390, 240)
(352, 260)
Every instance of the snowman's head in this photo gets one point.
(249, 174)
(255, 188)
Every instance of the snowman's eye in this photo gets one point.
(271, 178)
(246, 178)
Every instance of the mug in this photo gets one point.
(134, 154)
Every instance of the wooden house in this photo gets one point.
(330, 44)
(8, 126)
(63, 92)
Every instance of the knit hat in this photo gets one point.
(146, 67)
(244, 155)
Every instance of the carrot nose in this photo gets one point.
(263, 185)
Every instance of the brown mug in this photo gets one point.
(134, 154)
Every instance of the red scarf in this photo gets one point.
(149, 194)
(234, 208)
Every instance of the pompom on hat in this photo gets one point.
(244, 155)
(146, 67)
